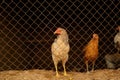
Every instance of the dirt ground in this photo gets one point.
(105, 74)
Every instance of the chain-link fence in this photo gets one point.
(27, 26)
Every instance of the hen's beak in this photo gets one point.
(55, 32)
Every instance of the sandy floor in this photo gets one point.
(105, 74)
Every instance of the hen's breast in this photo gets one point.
(91, 51)
(117, 41)
(60, 49)
(117, 38)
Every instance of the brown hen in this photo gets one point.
(91, 51)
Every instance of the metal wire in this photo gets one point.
(27, 26)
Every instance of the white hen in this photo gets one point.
(60, 49)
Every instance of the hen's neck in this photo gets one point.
(63, 37)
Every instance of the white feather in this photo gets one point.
(60, 47)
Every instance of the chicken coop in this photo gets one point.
(27, 31)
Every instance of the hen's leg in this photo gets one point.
(56, 70)
(63, 63)
(86, 62)
(93, 64)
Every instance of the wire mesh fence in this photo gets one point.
(27, 26)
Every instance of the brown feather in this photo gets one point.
(91, 50)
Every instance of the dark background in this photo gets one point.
(26, 31)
